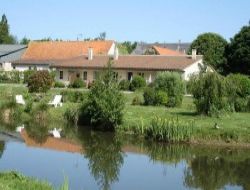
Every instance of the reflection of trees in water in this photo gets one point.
(105, 157)
(38, 132)
(2, 147)
(210, 173)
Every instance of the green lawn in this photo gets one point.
(16, 181)
(233, 127)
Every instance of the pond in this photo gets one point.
(95, 160)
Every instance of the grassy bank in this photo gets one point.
(234, 128)
(16, 181)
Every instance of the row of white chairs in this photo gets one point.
(57, 101)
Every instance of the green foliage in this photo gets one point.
(71, 115)
(155, 97)
(10, 77)
(40, 81)
(137, 83)
(212, 47)
(16, 181)
(73, 96)
(27, 74)
(24, 41)
(127, 47)
(105, 102)
(169, 130)
(161, 98)
(77, 83)
(149, 96)
(238, 87)
(124, 84)
(5, 36)
(137, 100)
(59, 84)
(238, 52)
(173, 85)
(210, 94)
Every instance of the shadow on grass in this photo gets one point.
(185, 113)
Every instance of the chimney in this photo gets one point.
(116, 53)
(194, 54)
(90, 53)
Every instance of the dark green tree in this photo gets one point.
(5, 37)
(238, 52)
(24, 41)
(212, 47)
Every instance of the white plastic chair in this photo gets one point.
(20, 100)
(56, 101)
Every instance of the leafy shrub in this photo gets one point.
(149, 96)
(241, 104)
(90, 84)
(173, 85)
(59, 84)
(155, 97)
(161, 98)
(10, 76)
(210, 94)
(27, 74)
(137, 82)
(28, 106)
(170, 130)
(77, 83)
(105, 103)
(124, 84)
(137, 100)
(73, 96)
(40, 81)
(241, 84)
(71, 115)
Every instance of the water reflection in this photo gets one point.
(105, 156)
(204, 167)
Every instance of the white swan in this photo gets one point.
(20, 128)
(56, 133)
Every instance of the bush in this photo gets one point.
(137, 100)
(27, 74)
(59, 84)
(105, 103)
(124, 84)
(155, 97)
(241, 84)
(210, 94)
(149, 96)
(161, 98)
(173, 85)
(10, 77)
(77, 83)
(73, 96)
(137, 83)
(40, 81)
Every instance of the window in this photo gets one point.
(85, 75)
(14, 68)
(96, 75)
(130, 75)
(61, 74)
(141, 74)
(115, 74)
(30, 67)
(78, 75)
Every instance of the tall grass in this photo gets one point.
(170, 130)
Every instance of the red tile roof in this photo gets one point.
(139, 62)
(64, 49)
(166, 51)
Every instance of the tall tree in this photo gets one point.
(5, 37)
(212, 47)
(24, 41)
(238, 52)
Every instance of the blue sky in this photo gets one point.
(141, 20)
